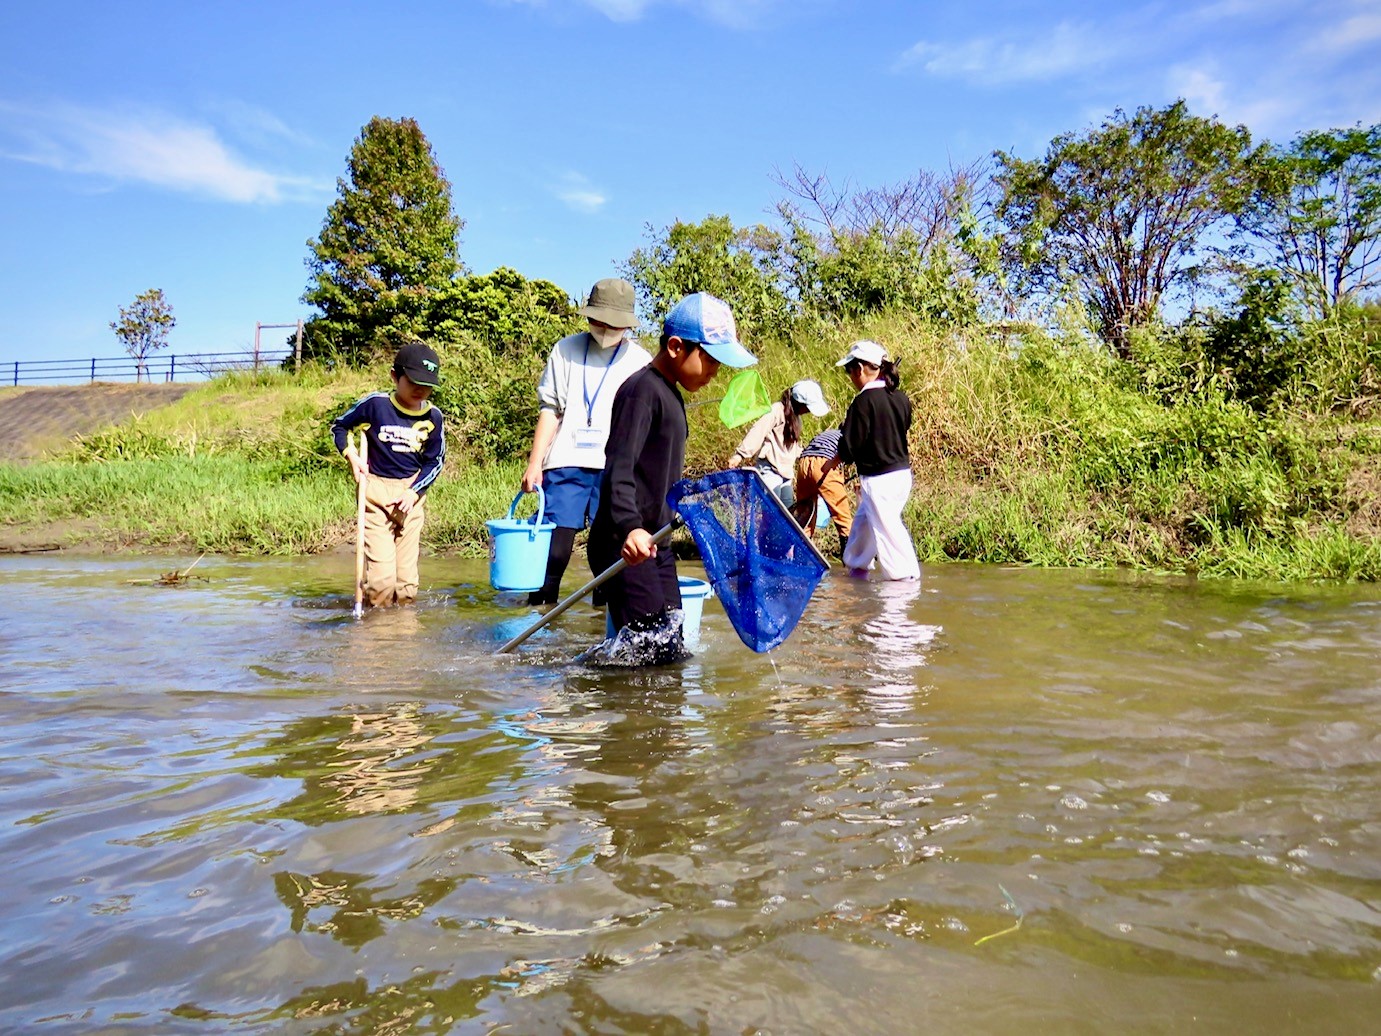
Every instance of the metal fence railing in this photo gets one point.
(187, 366)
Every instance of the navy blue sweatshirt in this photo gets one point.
(874, 431)
(402, 443)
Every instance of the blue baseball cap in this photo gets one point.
(708, 321)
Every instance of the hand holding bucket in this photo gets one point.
(518, 548)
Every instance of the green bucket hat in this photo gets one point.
(610, 302)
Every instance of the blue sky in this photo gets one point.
(195, 147)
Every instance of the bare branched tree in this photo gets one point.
(927, 205)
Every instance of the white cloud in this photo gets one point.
(1281, 67)
(256, 127)
(737, 14)
(733, 13)
(621, 10)
(1273, 65)
(142, 146)
(1349, 34)
(1207, 95)
(1200, 89)
(1064, 50)
(1225, 9)
(578, 193)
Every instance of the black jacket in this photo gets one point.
(874, 431)
(644, 456)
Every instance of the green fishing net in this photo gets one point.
(746, 399)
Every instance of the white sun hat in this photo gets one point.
(865, 351)
(809, 395)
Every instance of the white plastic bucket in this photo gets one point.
(693, 594)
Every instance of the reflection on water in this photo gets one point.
(896, 646)
(995, 796)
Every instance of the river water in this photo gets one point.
(1003, 801)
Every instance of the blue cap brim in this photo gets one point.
(731, 354)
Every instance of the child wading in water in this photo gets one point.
(818, 478)
(645, 454)
(775, 440)
(873, 438)
(406, 451)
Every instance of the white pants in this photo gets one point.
(878, 531)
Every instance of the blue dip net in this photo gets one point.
(761, 565)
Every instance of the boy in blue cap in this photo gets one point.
(645, 455)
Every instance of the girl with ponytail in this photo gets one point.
(775, 440)
(873, 438)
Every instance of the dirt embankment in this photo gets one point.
(37, 422)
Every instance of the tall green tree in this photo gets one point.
(388, 242)
(904, 246)
(741, 265)
(498, 329)
(1319, 214)
(143, 327)
(1122, 213)
(504, 311)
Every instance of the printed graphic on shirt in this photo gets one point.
(406, 438)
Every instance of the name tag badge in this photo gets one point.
(588, 438)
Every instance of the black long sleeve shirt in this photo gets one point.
(874, 431)
(645, 454)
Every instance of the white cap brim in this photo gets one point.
(864, 351)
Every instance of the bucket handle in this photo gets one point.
(541, 505)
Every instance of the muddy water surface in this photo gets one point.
(1005, 801)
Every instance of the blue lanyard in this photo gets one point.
(585, 385)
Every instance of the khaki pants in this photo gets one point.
(390, 546)
(810, 485)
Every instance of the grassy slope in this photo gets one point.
(1046, 455)
(1041, 457)
(240, 465)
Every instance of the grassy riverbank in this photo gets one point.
(227, 504)
(1031, 452)
(243, 464)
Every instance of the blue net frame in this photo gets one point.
(761, 565)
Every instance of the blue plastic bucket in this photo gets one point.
(693, 594)
(518, 548)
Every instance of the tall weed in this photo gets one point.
(1027, 449)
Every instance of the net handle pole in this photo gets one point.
(609, 573)
(786, 512)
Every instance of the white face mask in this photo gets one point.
(607, 337)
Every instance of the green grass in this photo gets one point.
(233, 504)
(1045, 452)
(215, 503)
(1039, 452)
(269, 413)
